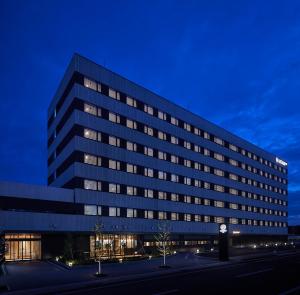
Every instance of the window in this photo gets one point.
(218, 219)
(131, 191)
(233, 162)
(187, 127)
(113, 94)
(114, 188)
(90, 184)
(162, 195)
(131, 102)
(187, 199)
(99, 210)
(206, 218)
(148, 172)
(162, 156)
(162, 135)
(131, 124)
(187, 145)
(218, 157)
(197, 183)
(187, 163)
(206, 185)
(148, 109)
(206, 202)
(148, 130)
(174, 140)
(174, 197)
(206, 135)
(174, 159)
(206, 169)
(187, 181)
(219, 204)
(219, 188)
(233, 176)
(148, 151)
(114, 141)
(233, 206)
(90, 134)
(131, 146)
(148, 193)
(131, 213)
(197, 201)
(197, 166)
(187, 217)
(206, 152)
(90, 109)
(197, 131)
(114, 117)
(197, 218)
(218, 141)
(233, 147)
(219, 172)
(162, 175)
(90, 210)
(174, 121)
(114, 164)
(233, 191)
(233, 220)
(90, 159)
(148, 214)
(162, 115)
(130, 168)
(114, 211)
(89, 83)
(162, 215)
(174, 216)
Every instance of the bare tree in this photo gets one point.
(163, 238)
(98, 230)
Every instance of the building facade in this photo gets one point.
(123, 155)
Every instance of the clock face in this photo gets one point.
(223, 228)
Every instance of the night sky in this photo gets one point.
(235, 63)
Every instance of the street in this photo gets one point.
(278, 274)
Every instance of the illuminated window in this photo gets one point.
(114, 188)
(148, 151)
(90, 134)
(197, 201)
(233, 147)
(174, 140)
(233, 191)
(206, 135)
(233, 220)
(114, 117)
(218, 141)
(174, 121)
(174, 197)
(114, 211)
(218, 219)
(131, 102)
(90, 109)
(218, 157)
(162, 115)
(218, 172)
(130, 168)
(197, 218)
(187, 217)
(148, 109)
(174, 178)
(206, 218)
(148, 214)
(131, 213)
(187, 145)
(233, 162)
(162, 135)
(162, 195)
(148, 130)
(90, 84)
(113, 94)
(162, 215)
(131, 124)
(174, 159)
(90, 159)
(90, 184)
(219, 204)
(162, 175)
(219, 188)
(187, 163)
(114, 141)
(206, 202)
(131, 146)
(187, 199)
(148, 172)
(114, 164)
(148, 193)
(233, 206)
(187, 127)
(90, 210)
(174, 216)
(162, 155)
(187, 180)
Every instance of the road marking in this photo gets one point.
(167, 292)
(253, 273)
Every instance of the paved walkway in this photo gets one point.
(27, 275)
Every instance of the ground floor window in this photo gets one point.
(21, 246)
(113, 245)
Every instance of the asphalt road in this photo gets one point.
(276, 274)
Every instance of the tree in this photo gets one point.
(98, 230)
(163, 238)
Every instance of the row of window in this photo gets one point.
(130, 146)
(116, 118)
(129, 190)
(177, 122)
(174, 216)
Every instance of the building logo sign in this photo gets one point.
(279, 161)
(223, 228)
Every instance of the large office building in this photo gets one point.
(122, 155)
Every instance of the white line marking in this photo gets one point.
(253, 273)
(167, 292)
(291, 291)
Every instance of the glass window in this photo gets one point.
(90, 134)
(218, 172)
(187, 199)
(219, 204)
(148, 151)
(148, 214)
(218, 157)
(90, 109)
(197, 218)
(162, 195)
(187, 217)
(162, 115)
(218, 219)
(114, 188)
(148, 193)
(233, 220)
(90, 184)
(130, 168)
(174, 121)
(131, 124)
(148, 172)
(174, 197)
(114, 164)
(187, 126)
(132, 191)
(162, 135)
(148, 109)
(113, 94)
(114, 211)
(162, 215)
(114, 141)
(218, 141)
(90, 159)
(90, 210)
(148, 130)
(131, 213)
(174, 140)
(174, 216)
(233, 147)
(114, 117)
(131, 146)
(90, 84)
(174, 159)
(131, 102)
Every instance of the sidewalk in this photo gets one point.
(39, 276)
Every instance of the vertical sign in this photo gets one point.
(223, 242)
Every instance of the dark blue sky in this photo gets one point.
(236, 63)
